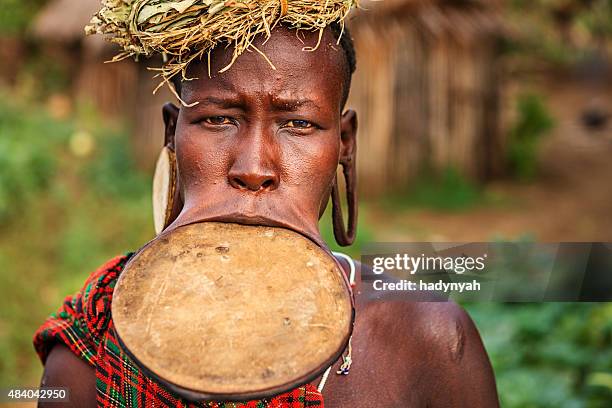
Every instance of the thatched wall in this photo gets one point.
(426, 93)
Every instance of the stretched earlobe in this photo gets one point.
(348, 137)
(170, 114)
(167, 202)
(348, 155)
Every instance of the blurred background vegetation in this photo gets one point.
(76, 164)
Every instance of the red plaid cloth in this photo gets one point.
(84, 324)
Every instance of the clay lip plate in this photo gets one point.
(232, 312)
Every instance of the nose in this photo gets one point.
(253, 180)
(254, 167)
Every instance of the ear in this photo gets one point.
(348, 137)
(170, 113)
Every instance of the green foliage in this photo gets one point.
(449, 191)
(43, 74)
(598, 19)
(364, 232)
(29, 147)
(15, 15)
(532, 123)
(560, 31)
(63, 212)
(549, 354)
(113, 173)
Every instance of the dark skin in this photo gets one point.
(262, 147)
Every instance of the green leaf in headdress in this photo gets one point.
(158, 10)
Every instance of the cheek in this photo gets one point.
(201, 162)
(312, 163)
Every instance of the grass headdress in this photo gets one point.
(185, 30)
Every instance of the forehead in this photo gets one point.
(298, 72)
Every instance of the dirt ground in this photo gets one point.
(571, 200)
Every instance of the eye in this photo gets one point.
(299, 124)
(218, 120)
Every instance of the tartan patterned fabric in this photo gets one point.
(83, 323)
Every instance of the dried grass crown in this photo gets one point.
(184, 30)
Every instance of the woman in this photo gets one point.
(262, 146)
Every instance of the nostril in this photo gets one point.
(239, 182)
(253, 182)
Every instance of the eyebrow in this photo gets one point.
(226, 102)
(228, 98)
(280, 104)
(291, 105)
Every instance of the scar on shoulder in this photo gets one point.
(457, 344)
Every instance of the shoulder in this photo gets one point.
(442, 327)
(90, 306)
(82, 319)
(425, 318)
(432, 348)
(106, 274)
(97, 293)
(434, 340)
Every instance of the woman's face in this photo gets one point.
(262, 145)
